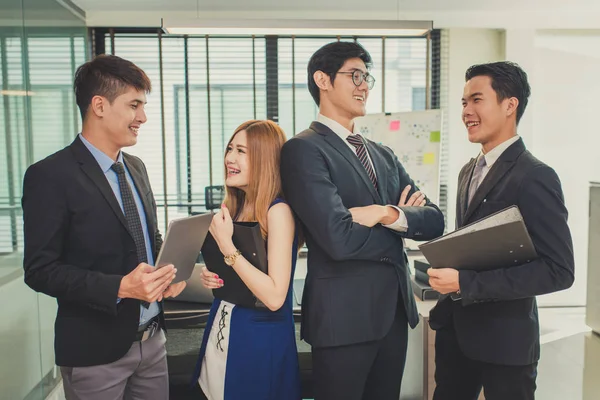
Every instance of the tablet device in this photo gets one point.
(182, 244)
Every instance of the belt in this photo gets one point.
(147, 330)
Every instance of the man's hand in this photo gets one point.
(173, 290)
(416, 200)
(146, 283)
(368, 215)
(444, 280)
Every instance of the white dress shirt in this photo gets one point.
(401, 224)
(493, 155)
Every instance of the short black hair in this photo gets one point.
(330, 59)
(508, 80)
(108, 76)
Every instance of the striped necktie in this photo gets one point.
(361, 152)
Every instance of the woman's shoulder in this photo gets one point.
(278, 200)
(279, 207)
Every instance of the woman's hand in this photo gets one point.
(210, 280)
(221, 228)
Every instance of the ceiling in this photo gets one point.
(330, 5)
(515, 14)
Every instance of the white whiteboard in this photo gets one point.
(415, 139)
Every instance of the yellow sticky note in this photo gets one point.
(429, 158)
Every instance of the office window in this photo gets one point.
(213, 84)
(39, 114)
(418, 99)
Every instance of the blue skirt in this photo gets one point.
(249, 354)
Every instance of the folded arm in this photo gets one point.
(426, 221)
(314, 198)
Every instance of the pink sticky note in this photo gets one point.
(394, 125)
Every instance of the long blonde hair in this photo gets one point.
(265, 140)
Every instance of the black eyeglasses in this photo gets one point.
(358, 77)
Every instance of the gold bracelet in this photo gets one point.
(230, 259)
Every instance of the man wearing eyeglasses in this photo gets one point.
(356, 203)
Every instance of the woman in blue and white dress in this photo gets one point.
(250, 353)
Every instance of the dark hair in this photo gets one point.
(330, 59)
(108, 76)
(508, 80)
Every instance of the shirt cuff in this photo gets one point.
(401, 224)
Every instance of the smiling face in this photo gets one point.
(342, 100)
(344, 95)
(237, 163)
(486, 119)
(122, 118)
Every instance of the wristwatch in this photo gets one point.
(230, 259)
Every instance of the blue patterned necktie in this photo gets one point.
(132, 215)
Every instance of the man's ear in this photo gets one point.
(98, 106)
(322, 80)
(511, 106)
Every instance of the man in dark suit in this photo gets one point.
(488, 331)
(91, 237)
(346, 191)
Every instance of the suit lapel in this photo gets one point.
(504, 164)
(90, 167)
(337, 143)
(463, 192)
(142, 187)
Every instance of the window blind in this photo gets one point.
(213, 84)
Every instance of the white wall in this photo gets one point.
(558, 125)
(466, 47)
(567, 65)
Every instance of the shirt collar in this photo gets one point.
(103, 160)
(493, 155)
(336, 127)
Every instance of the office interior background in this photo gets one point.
(206, 85)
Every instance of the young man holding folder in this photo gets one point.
(488, 332)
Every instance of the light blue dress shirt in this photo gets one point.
(105, 163)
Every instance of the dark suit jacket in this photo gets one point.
(77, 249)
(356, 275)
(497, 321)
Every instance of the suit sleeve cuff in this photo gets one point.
(401, 224)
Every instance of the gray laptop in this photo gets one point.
(182, 244)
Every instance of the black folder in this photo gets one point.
(248, 239)
(421, 277)
(497, 241)
(423, 291)
(421, 266)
